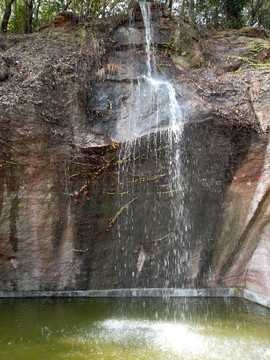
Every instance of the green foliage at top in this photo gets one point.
(234, 12)
(228, 13)
(16, 20)
(39, 12)
(28, 15)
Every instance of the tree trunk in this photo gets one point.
(15, 11)
(73, 6)
(191, 12)
(257, 11)
(182, 8)
(28, 17)
(170, 4)
(215, 18)
(7, 13)
(37, 10)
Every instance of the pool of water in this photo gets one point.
(83, 328)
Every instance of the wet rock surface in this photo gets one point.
(66, 96)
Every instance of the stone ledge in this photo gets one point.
(257, 298)
(155, 292)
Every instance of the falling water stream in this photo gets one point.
(150, 183)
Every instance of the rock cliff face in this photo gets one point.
(83, 209)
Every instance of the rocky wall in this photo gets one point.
(65, 118)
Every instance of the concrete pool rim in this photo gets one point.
(235, 292)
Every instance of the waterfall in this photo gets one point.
(146, 14)
(159, 86)
(152, 103)
(150, 196)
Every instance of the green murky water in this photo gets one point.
(77, 329)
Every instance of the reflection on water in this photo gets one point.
(133, 329)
